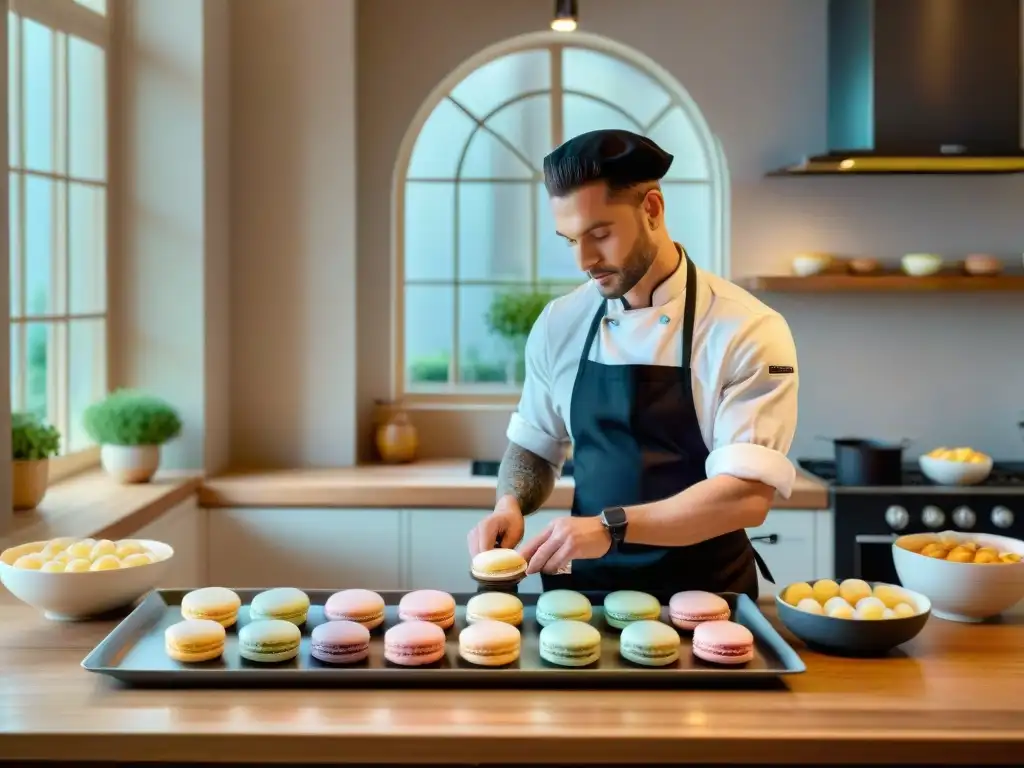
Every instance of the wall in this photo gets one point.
(293, 223)
(939, 369)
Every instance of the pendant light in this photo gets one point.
(566, 13)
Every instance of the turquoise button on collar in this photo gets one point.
(663, 320)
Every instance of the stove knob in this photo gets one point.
(933, 517)
(964, 517)
(897, 517)
(1002, 517)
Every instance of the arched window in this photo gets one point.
(474, 234)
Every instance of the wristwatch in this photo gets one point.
(614, 520)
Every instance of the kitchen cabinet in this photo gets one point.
(184, 529)
(308, 548)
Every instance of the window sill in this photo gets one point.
(90, 504)
(467, 401)
(64, 467)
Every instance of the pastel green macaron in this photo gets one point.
(649, 643)
(570, 644)
(286, 603)
(624, 607)
(269, 640)
(562, 605)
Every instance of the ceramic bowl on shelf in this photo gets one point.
(961, 591)
(921, 264)
(855, 637)
(946, 472)
(807, 264)
(76, 596)
(982, 264)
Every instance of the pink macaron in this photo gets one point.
(688, 609)
(414, 643)
(428, 605)
(340, 642)
(362, 606)
(723, 642)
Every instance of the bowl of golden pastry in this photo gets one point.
(852, 617)
(78, 578)
(968, 577)
(955, 466)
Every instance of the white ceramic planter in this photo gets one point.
(130, 463)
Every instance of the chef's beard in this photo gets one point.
(637, 262)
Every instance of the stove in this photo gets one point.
(869, 518)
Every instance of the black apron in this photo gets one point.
(636, 439)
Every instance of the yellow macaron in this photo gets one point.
(495, 606)
(498, 565)
(194, 640)
(213, 603)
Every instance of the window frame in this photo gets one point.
(73, 19)
(457, 394)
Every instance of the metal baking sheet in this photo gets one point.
(134, 653)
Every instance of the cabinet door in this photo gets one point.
(305, 548)
(786, 542)
(182, 528)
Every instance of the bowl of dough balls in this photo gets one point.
(80, 578)
(955, 466)
(968, 577)
(852, 617)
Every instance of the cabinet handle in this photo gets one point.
(771, 538)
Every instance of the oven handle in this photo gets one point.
(771, 538)
(865, 538)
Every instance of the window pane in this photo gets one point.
(505, 78)
(39, 88)
(37, 361)
(39, 234)
(87, 110)
(526, 125)
(14, 208)
(429, 321)
(485, 357)
(87, 249)
(602, 75)
(16, 368)
(488, 158)
(87, 375)
(495, 231)
(581, 114)
(556, 260)
(429, 236)
(688, 218)
(675, 133)
(100, 6)
(440, 143)
(13, 91)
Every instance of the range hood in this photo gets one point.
(922, 86)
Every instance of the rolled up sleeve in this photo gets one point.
(756, 417)
(536, 425)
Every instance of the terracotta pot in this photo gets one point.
(130, 463)
(397, 441)
(29, 479)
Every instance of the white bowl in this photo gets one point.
(807, 264)
(962, 591)
(945, 472)
(921, 264)
(82, 595)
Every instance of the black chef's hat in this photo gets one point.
(619, 157)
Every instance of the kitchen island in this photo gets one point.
(951, 696)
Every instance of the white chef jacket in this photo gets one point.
(743, 364)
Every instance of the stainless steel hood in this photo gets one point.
(922, 86)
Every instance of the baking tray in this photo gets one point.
(134, 653)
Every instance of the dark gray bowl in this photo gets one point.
(853, 637)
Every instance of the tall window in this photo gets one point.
(479, 253)
(57, 112)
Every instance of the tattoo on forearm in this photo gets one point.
(525, 476)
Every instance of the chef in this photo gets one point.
(676, 389)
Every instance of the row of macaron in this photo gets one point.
(366, 607)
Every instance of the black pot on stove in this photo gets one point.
(860, 461)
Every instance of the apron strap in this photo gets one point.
(689, 311)
(591, 334)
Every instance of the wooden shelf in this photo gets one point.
(892, 282)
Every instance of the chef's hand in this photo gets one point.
(564, 540)
(504, 527)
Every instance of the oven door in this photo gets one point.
(872, 558)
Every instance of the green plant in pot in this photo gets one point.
(33, 442)
(130, 427)
(511, 316)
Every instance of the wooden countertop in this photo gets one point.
(444, 484)
(951, 696)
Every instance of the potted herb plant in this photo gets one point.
(130, 427)
(33, 442)
(511, 316)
